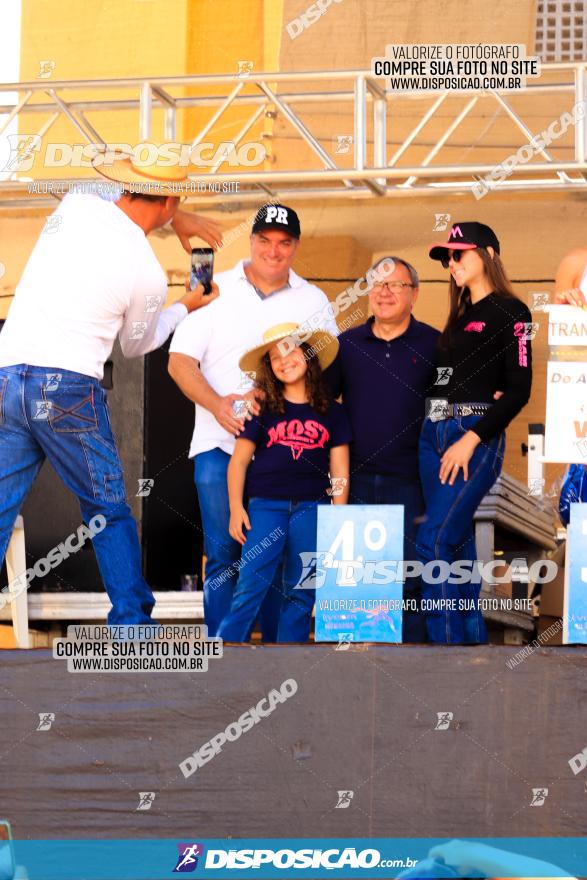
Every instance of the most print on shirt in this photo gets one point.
(292, 456)
(298, 435)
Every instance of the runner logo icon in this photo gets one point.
(187, 860)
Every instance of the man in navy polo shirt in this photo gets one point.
(385, 369)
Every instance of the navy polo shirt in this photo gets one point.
(384, 386)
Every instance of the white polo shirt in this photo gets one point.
(91, 276)
(218, 336)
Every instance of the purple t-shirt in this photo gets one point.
(292, 458)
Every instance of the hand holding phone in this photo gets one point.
(197, 299)
(202, 269)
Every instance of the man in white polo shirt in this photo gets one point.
(93, 279)
(204, 355)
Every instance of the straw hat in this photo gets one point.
(151, 178)
(324, 345)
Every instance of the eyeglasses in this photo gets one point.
(394, 286)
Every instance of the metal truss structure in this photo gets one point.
(391, 152)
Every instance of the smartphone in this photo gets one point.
(202, 268)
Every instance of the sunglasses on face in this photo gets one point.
(456, 256)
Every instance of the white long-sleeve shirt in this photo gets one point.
(91, 276)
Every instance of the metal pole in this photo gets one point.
(169, 112)
(66, 110)
(380, 136)
(581, 126)
(439, 145)
(416, 131)
(240, 135)
(170, 124)
(90, 128)
(145, 112)
(216, 116)
(41, 133)
(523, 128)
(307, 135)
(14, 111)
(360, 123)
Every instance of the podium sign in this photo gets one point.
(359, 572)
(575, 608)
(566, 394)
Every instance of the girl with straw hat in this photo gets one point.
(300, 447)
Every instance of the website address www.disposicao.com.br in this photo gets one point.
(328, 859)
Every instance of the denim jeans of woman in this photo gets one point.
(447, 532)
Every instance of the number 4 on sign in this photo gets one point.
(374, 538)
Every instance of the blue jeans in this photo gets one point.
(65, 419)
(296, 521)
(385, 489)
(447, 532)
(222, 552)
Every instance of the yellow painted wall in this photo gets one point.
(111, 39)
(220, 35)
(142, 38)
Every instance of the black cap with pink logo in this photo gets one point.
(463, 237)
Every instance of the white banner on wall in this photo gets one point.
(566, 388)
(567, 326)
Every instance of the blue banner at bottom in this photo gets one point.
(266, 858)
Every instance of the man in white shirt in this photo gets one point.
(204, 355)
(95, 278)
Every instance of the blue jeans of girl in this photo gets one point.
(447, 532)
(280, 531)
(223, 553)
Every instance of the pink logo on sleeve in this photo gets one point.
(521, 333)
(475, 327)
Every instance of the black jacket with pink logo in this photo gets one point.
(292, 455)
(490, 350)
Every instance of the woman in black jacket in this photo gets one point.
(484, 348)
